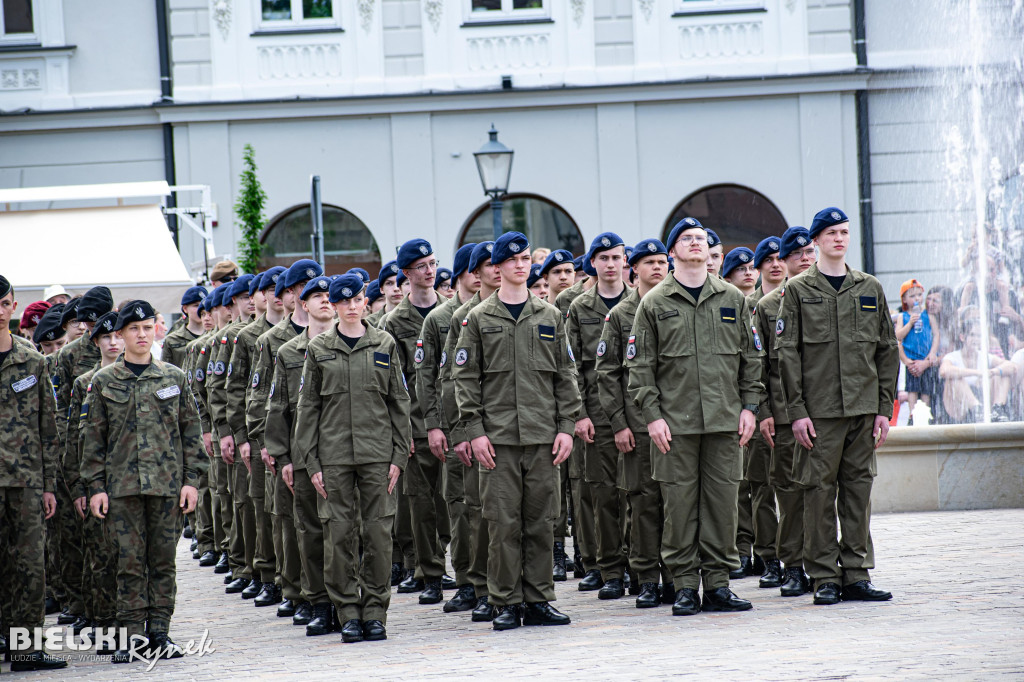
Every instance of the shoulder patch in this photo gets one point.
(461, 356)
(631, 347)
(757, 338)
(601, 348)
(255, 379)
(780, 326)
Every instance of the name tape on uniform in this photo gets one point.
(24, 384)
(169, 392)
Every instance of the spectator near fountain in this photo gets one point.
(962, 372)
(1003, 304)
(919, 342)
(942, 312)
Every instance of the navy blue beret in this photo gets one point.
(321, 283)
(577, 262)
(738, 256)
(413, 250)
(508, 245)
(556, 258)
(345, 287)
(796, 237)
(193, 295)
(363, 274)
(443, 275)
(299, 271)
(647, 247)
(588, 268)
(825, 218)
(684, 224)
(713, 239)
(373, 291)
(461, 262)
(254, 283)
(764, 249)
(536, 272)
(481, 253)
(240, 286)
(390, 269)
(270, 277)
(603, 242)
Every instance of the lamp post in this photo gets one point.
(494, 163)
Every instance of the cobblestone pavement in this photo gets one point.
(958, 612)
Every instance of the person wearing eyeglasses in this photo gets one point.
(738, 269)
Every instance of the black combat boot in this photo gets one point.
(558, 569)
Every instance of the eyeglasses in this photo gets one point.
(423, 267)
(690, 238)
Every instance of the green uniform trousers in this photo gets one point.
(790, 496)
(645, 509)
(455, 499)
(147, 529)
(583, 527)
(422, 481)
(699, 542)
(358, 589)
(600, 470)
(838, 474)
(204, 514)
(403, 548)
(286, 543)
(479, 532)
(68, 526)
(309, 534)
(562, 520)
(99, 574)
(242, 540)
(222, 514)
(519, 507)
(762, 497)
(264, 560)
(22, 557)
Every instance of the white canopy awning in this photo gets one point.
(127, 248)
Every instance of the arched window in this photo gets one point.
(543, 222)
(348, 243)
(739, 215)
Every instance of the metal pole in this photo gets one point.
(316, 210)
(496, 205)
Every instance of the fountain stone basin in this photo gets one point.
(965, 466)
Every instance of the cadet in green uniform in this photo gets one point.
(374, 300)
(428, 359)
(387, 283)
(480, 267)
(263, 589)
(99, 547)
(559, 271)
(177, 341)
(28, 453)
(353, 434)
(142, 453)
(274, 494)
(650, 263)
(518, 402)
(797, 253)
(242, 538)
(600, 454)
(757, 455)
(839, 360)
(694, 371)
(716, 253)
(583, 528)
(301, 551)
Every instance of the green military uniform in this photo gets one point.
(694, 364)
(99, 547)
(141, 443)
(209, 533)
(515, 383)
(176, 346)
(600, 458)
(237, 386)
(634, 472)
(373, 319)
(220, 479)
(352, 424)
(301, 554)
(28, 454)
(270, 491)
(839, 361)
(433, 335)
(242, 537)
(757, 525)
(572, 481)
(423, 478)
(479, 534)
(788, 493)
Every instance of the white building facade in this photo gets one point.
(750, 114)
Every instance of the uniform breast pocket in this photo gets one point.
(378, 369)
(544, 347)
(865, 313)
(335, 376)
(496, 345)
(675, 332)
(729, 327)
(815, 320)
(115, 395)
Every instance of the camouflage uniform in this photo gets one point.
(28, 454)
(98, 569)
(141, 442)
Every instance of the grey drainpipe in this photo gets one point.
(860, 45)
(164, 47)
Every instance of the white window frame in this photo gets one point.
(507, 13)
(698, 6)
(33, 38)
(296, 23)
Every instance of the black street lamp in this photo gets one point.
(494, 163)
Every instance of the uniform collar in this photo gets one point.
(18, 354)
(120, 371)
(595, 301)
(494, 306)
(333, 341)
(712, 286)
(816, 279)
